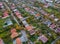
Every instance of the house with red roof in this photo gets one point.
(1, 41)
(29, 28)
(18, 14)
(5, 14)
(13, 30)
(18, 41)
(14, 33)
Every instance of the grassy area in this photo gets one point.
(1, 23)
(48, 10)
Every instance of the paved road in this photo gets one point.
(11, 13)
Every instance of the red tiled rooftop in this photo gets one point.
(29, 28)
(18, 14)
(13, 30)
(1, 41)
(18, 41)
(13, 35)
(5, 14)
(37, 14)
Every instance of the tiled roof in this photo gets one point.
(18, 41)
(1, 41)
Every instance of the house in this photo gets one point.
(52, 16)
(8, 22)
(42, 1)
(43, 38)
(48, 23)
(23, 38)
(23, 5)
(57, 30)
(17, 41)
(31, 11)
(15, 10)
(13, 6)
(50, 1)
(1, 41)
(13, 30)
(32, 32)
(37, 16)
(1, 5)
(52, 26)
(29, 27)
(25, 23)
(14, 33)
(46, 5)
(5, 14)
(56, 19)
(27, 9)
(18, 14)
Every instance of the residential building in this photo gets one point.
(1, 41)
(43, 38)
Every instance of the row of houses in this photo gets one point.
(4, 11)
(5, 15)
(31, 11)
(14, 34)
(48, 22)
(42, 37)
(19, 15)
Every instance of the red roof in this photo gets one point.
(29, 28)
(18, 14)
(13, 35)
(18, 41)
(53, 26)
(1, 41)
(13, 30)
(5, 14)
(37, 14)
